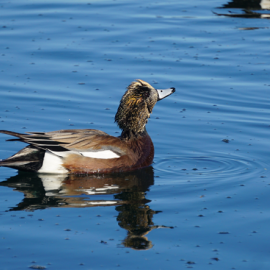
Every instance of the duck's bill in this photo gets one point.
(162, 93)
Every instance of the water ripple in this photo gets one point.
(225, 166)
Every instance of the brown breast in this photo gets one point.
(139, 153)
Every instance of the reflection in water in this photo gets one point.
(248, 7)
(126, 191)
(136, 218)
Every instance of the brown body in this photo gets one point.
(139, 153)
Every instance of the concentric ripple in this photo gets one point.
(225, 166)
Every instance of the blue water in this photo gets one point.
(204, 203)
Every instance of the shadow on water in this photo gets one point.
(126, 191)
(248, 9)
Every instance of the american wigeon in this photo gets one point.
(89, 151)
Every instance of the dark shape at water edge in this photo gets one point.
(246, 9)
(244, 4)
(126, 191)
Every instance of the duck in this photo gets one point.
(90, 151)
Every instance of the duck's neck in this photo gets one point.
(130, 134)
(132, 116)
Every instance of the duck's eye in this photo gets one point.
(145, 92)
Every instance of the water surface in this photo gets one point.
(204, 203)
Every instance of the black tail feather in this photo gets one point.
(29, 158)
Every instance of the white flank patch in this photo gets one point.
(103, 154)
(52, 164)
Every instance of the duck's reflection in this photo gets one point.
(248, 9)
(126, 191)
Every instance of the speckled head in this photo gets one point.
(137, 104)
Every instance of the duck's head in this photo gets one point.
(137, 104)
